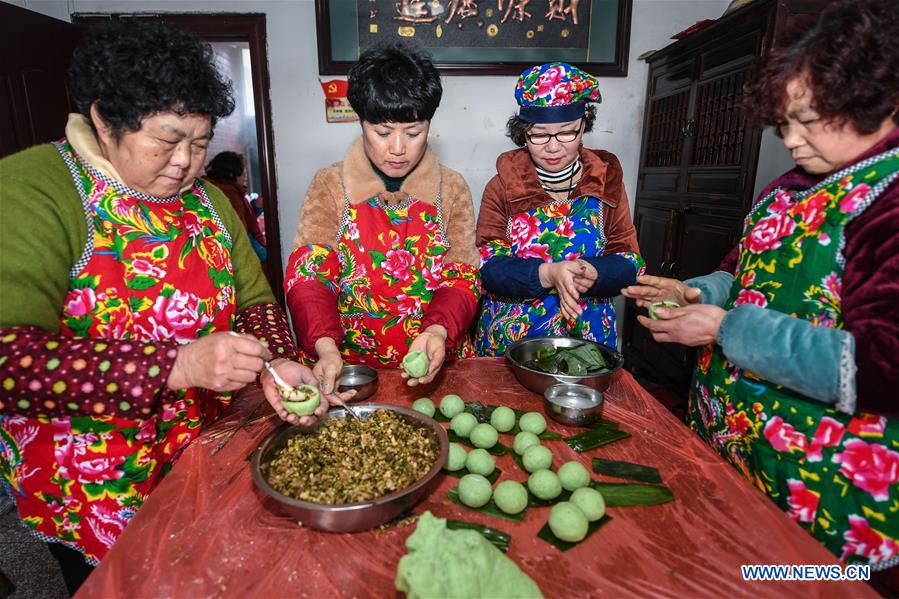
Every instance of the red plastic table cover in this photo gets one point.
(206, 531)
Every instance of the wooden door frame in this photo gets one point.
(233, 27)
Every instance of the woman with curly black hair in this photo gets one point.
(123, 278)
(796, 378)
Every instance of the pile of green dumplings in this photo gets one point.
(569, 520)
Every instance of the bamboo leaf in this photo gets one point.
(460, 473)
(594, 438)
(498, 449)
(547, 534)
(496, 537)
(490, 508)
(628, 470)
(627, 494)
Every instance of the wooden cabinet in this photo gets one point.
(698, 161)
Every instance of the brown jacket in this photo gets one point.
(516, 189)
(323, 205)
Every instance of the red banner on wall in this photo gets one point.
(337, 107)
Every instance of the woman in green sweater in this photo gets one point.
(122, 278)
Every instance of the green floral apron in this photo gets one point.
(833, 473)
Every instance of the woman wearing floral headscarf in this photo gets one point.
(554, 230)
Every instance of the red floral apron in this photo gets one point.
(153, 269)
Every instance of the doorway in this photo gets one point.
(240, 41)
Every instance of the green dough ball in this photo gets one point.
(537, 457)
(302, 400)
(484, 436)
(544, 484)
(451, 405)
(416, 364)
(523, 440)
(474, 490)
(573, 476)
(533, 422)
(568, 522)
(590, 501)
(511, 497)
(479, 461)
(503, 419)
(425, 406)
(655, 305)
(462, 424)
(456, 458)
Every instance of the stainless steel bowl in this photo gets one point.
(349, 517)
(575, 405)
(526, 349)
(364, 379)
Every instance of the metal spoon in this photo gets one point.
(333, 397)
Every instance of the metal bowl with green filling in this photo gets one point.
(540, 362)
(344, 475)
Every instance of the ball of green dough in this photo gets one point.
(425, 406)
(456, 458)
(573, 476)
(479, 461)
(568, 522)
(416, 363)
(533, 422)
(511, 497)
(523, 440)
(462, 424)
(474, 490)
(484, 436)
(544, 484)
(451, 405)
(503, 419)
(590, 501)
(656, 305)
(537, 457)
(302, 400)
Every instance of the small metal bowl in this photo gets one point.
(525, 350)
(364, 379)
(574, 405)
(349, 517)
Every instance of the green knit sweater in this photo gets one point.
(43, 232)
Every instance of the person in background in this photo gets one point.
(124, 278)
(796, 377)
(227, 171)
(554, 229)
(384, 260)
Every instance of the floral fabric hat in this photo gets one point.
(555, 92)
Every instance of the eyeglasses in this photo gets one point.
(563, 137)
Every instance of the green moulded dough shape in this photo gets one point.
(511, 497)
(503, 419)
(484, 436)
(523, 441)
(463, 423)
(451, 405)
(568, 522)
(532, 422)
(456, 458)
(474, 490)
(573, 475)
(479, 461)
(590, 501)
(537, 457)
(424, 405)
(304, 407)
(656, 305)
(416, 364)
(545, 485)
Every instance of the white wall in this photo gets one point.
(468, 129)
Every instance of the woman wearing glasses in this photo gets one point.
(554, 230)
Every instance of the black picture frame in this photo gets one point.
(337, 26)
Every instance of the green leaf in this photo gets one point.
(490, 508)
(594, 438)
(498, 538)
(547, 535)
(626, 494)
(498, 449)
(460, 473)
(628, 470)
(377, 258)
(535, 501)
(390, 323)
(142, 282)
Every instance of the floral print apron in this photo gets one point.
(390, 261)
(561, 230)
(835, 474)
(153, 269)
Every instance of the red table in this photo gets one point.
(206, 530)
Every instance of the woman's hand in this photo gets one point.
(294, 374)
(583, 282)
(561, 276)
(650, 289)
(692, 325)
(330, 364)
(432, 341)
(220, 362)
